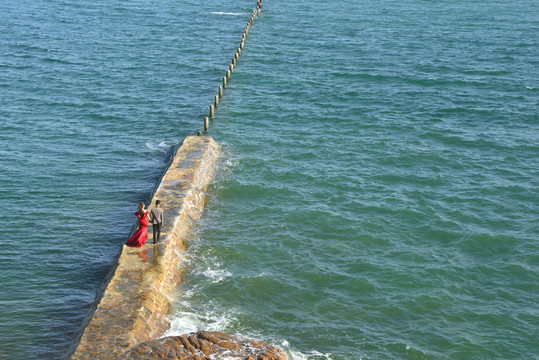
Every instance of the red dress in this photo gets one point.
(141, 235)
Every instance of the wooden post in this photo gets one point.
(224, 82)
(234, 62)
(206, 124)
(228, 73)
(231, 68)
(216, 101)
(220, 91)
(211, 111)
(199, 133)
(238, 51)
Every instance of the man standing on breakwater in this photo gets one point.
(157, 220)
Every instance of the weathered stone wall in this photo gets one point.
(135, 303)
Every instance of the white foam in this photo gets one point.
(157, 146)
(216, 275)
(297, 355)
(228, 13)
(185, 322)
(187, 319)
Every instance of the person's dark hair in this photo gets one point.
(157, 202)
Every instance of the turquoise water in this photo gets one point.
(378, 193)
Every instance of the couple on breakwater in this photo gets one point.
(155, 216)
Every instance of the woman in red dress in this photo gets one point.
(139, 237)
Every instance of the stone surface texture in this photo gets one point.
(135, 303)
(204, 345)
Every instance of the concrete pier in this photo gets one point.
(135, 302)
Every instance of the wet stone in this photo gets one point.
(204, 345)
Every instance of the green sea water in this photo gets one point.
(377, 197)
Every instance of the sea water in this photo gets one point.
(377, 197)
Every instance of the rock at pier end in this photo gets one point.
(204, 345)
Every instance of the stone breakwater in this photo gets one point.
(135, 303)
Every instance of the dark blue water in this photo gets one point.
(378, 193)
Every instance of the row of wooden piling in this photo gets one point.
(231, 68)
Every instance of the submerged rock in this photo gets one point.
(204, 345)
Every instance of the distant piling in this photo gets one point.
(231, 67)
